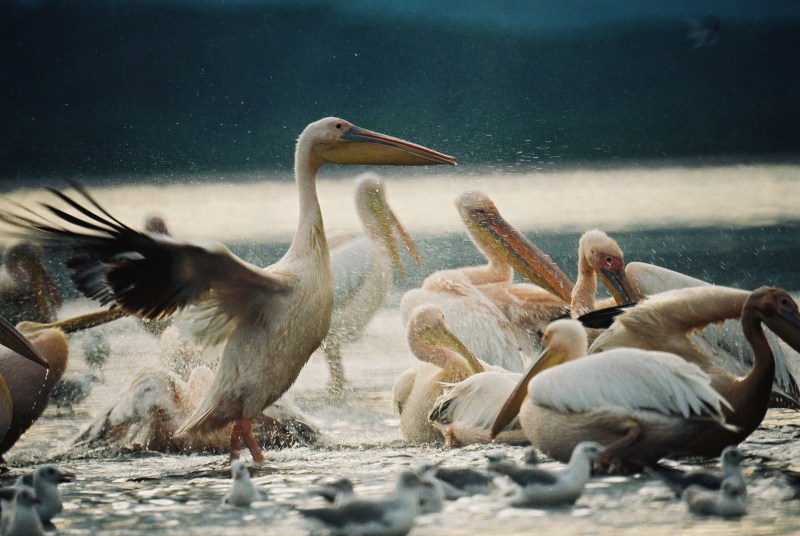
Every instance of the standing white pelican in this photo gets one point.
(639, 405)
(472, 297)
(444, 359)
(665, 321)
(271, 319)
(362, 271)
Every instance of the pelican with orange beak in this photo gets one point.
(271, 320)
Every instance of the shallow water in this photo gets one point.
(136, 493)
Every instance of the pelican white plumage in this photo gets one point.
(362, 271)
(714, 330)
(640, 405)
(270, 319)
(663, 322)
(473, 297)
(444, 359)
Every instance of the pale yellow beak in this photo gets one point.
(525, 258)
(14, 340)
(388, 224)
(547, 358)
(362, 146)
(445, 338)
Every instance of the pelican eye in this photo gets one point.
(338, 126)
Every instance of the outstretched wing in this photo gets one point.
(145, 274)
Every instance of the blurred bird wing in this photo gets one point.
(350, 264)
(630, 379)
(475, 401)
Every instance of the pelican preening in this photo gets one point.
(640, 405)
(362, 271)
(444, 359)
(271, 319)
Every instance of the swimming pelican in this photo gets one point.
(362, 271)
(27, 292)
(444, 358)
(639, 405)
(663, 322)
(472, 297)
(270, 319)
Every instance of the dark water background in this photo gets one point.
(97, 87)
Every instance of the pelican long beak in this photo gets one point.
(621, 288)
(76, 323)
(388, 224)
(445, 338)
(16, 341)
(362, 146)
(527, 260)
(786, 325)
(548, 357)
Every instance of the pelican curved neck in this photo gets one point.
(585, 289)
(752, 392)
(310, 229)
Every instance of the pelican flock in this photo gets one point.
(667, 366)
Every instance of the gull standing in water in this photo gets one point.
(242, 492)
(678, 480)
(392, 516)
(44, 481)
(729, 501)
(362, 272)
(271, 320)
(540, 487)
(19, 516)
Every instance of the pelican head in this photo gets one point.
(156, 224)
(427, 327)
(380, 220)
(336, 141)
(495, 237)
(16, 341)
(776, 308)
(24, 263)
(600, 252)
(562, 341)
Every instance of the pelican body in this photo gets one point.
(271, 319)
(479, 302)
(664, 321)
(362, 271)
(445, 359)
(640, 405)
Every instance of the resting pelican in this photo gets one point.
(472, 297)
(362, 271)
(271, 319)
(640, 405)
(444, 359)
(665, 320)
(27, 292)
